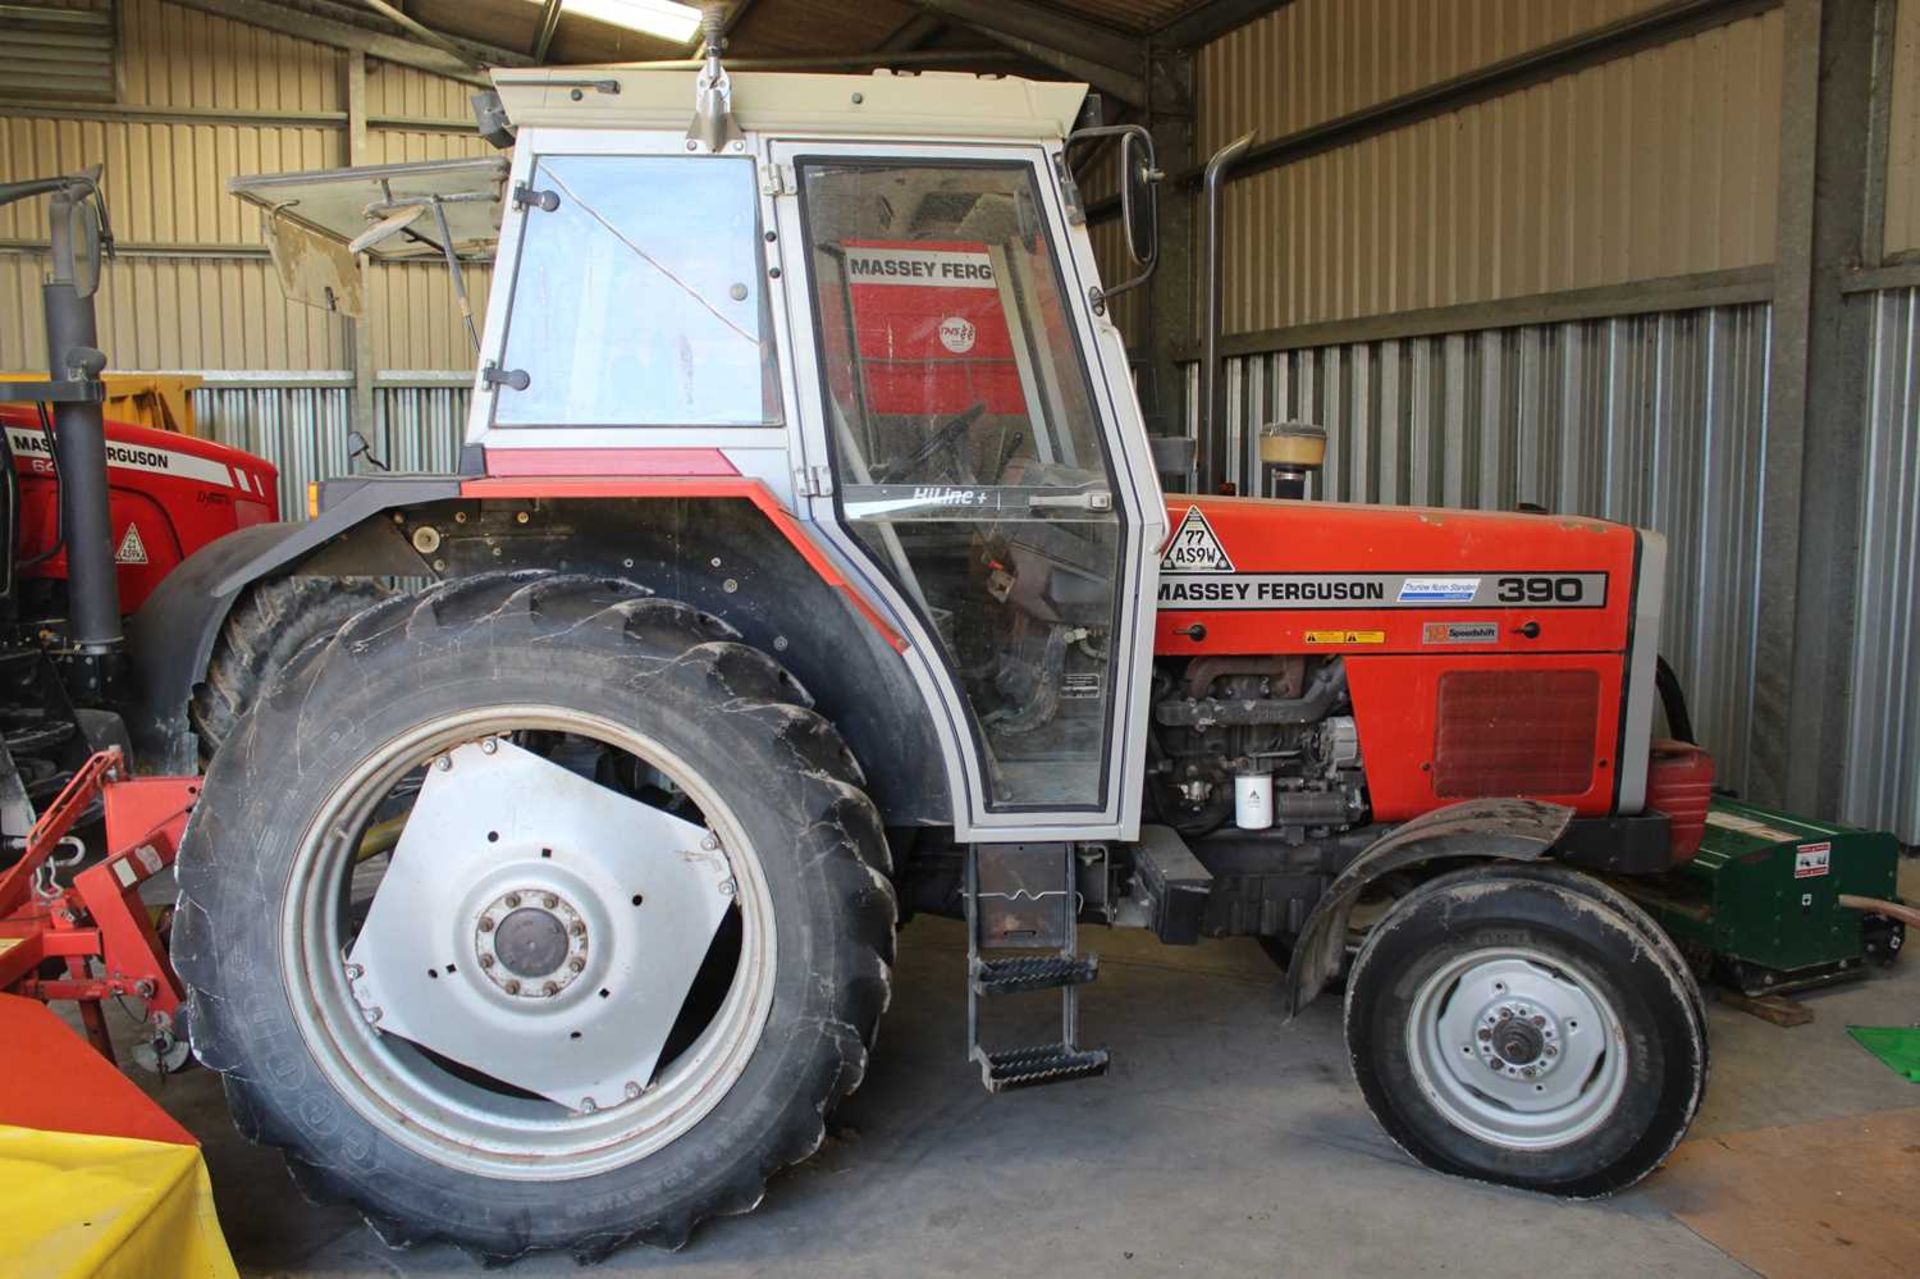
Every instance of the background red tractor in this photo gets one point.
(95, 514)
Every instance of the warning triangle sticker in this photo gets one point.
(1194, 548)
(132, 549)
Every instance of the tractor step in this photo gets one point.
(1033, 972)
(1041, 1064)
(1026, 897)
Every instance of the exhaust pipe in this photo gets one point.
(1212, 468)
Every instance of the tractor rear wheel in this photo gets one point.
(531, 912)
(1521, 1025)
(266, 628)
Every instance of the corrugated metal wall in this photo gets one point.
(1883, 749)
(203, 99)
(1660, 163)
(301, 424)
(61, 55)
(1657, 421)
(1903, 135)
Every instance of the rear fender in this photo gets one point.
(1509, 829)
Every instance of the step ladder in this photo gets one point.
(1026, 897)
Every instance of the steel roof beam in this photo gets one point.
(913, 33)
(370, 41)
(1208, 22)
(1109, 60)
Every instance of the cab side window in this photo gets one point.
(638, 297)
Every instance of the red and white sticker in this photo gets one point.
(132, 549)
(1810, 861)
(958, 334)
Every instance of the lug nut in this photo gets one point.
(551, 988)
(512, 900)
(488, 746)
(576, 964)
(549, 901)
(588, 1106)
(1538, 1020)
(355, 972)
(578, 929)
(486, 923)
(486, 961)
(633, 1089)
(1485, 1034)
(513, 987)
(444, 763)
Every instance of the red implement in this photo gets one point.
(98, 928)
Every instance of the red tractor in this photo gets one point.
(808, 565)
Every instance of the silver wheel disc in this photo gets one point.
(534, 989)
(1517, 1049)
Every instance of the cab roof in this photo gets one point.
(930, 104)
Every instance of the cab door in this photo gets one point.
(979, 456)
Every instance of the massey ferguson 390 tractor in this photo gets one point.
(808, 564)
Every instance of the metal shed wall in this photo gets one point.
(202, 99)
(1655, 164)
(300, 423)
(1883, 746)
(1903, 135)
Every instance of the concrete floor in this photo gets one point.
(1222, 1142)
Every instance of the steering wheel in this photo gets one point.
(946, 437)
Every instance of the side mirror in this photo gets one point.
(76, 243)
(1139, 200)
(1140, 197)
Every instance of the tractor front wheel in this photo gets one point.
(1523, 1026)
(532, 912)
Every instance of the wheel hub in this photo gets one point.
(531, 943)
(1518, 1039)
(539, 927)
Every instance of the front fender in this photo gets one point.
(1511, 829)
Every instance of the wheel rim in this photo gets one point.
(450, 1110)
(1517, 1049)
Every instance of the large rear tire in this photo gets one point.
(643, 700)
(1525, 1026)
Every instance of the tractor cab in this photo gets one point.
(874, 296)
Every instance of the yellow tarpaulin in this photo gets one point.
(76, 1204)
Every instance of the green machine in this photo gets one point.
(1758, 908)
